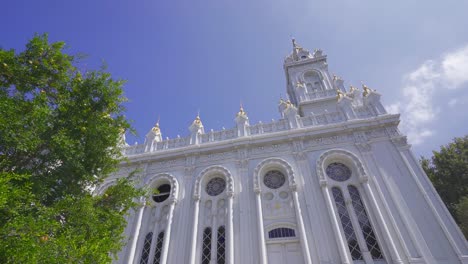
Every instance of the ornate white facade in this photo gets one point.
(332, 181)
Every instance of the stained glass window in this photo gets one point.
(206, 249)
(338, 172)
(348, 229)
(157, 252)
(274, 179)
(215, 186)
(146, 248)
(281, 232)
(221, 246)
(364, 223)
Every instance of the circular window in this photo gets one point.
(215, 186)
(162, 193)
(274, 179)
(338, 171)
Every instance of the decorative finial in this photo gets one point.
(366, 91)
(352, 89)
(339, 94)
(156, 128)
(241, 111)
(197, 120)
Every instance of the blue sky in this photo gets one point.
(179, 57)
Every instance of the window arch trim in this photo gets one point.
(274, 164)
(343, 156)
(210, 171)
(160, 179)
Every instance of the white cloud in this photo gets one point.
(421, 85)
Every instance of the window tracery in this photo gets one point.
(281, 232)
(347, 225)
(146, 248)
(338, 172)
(364, 223)
(157, 252)
(206, 248)
(274, 179)
(221, 246)
(215, 186)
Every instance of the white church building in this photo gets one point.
(332, 181)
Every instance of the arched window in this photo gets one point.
(221, 246)
(281, 232)
(157, 252)
(364, 223)
(347, 225)
(206, 248)
(162, 193)
(146, 248)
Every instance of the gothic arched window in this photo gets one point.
(364, 223)
(281, 232)
(348, 228)
(157, 252)
(146, 248)
(206, 248)
(221, 245)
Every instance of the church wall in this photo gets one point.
(418, 209)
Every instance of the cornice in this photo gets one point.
(271, 137)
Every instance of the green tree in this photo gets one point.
(448, 171)
(59, 134)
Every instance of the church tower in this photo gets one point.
(332, 181)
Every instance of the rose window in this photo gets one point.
(215, 186)
(338, 171)
(274, 179)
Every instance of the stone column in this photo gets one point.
(342, 243)
(375, 207)
(261, 233)
(230, 230)
(193, 251)
(167, 234)
(136, 231)
(303, 237)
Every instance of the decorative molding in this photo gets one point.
(400, 142)
(364, 147)
(217, 169)
(339, 154)
(165, 177)
(272, 163)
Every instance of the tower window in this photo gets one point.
(274, 179)
(162, 193)
(146, 248)
(281, 232)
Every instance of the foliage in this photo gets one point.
(59, 135)
(462, 213)
(448, 171)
